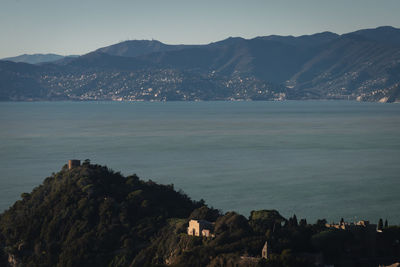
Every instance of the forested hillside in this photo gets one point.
(92, 216)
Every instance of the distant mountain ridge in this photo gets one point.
(385, 34)
(36, 58)
(134, 48)
(363, 65)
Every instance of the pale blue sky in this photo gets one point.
(80, 26)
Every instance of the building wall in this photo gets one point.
(264, 252)
(206, 233)
(194, 228)
(199, 228)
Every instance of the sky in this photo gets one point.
(74, 27)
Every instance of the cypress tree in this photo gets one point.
(380, 224)
(295, 223)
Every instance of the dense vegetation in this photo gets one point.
(89, 216)
(92, 216)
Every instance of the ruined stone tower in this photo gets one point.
(72, 163)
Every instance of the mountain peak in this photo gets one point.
(134, 48)
(384, 34)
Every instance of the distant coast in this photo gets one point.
(319, 66)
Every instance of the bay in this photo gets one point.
(317, 159)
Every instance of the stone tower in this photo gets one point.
(72, 163)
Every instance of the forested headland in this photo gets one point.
(90, 215)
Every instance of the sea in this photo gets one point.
(315, 159)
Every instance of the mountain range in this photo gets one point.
(363, 65)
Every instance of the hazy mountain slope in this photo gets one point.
(103, 61)
(304, 40)
(269, 60)
(351, 66)
(35, 58)
(386, 34)
(134, 48)
(20, 81)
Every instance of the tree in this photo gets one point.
(303, 222)
(380, 224)
(386, 223)
(293, 221)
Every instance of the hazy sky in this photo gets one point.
(79, 26)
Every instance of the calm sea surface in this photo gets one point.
(317, 159)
